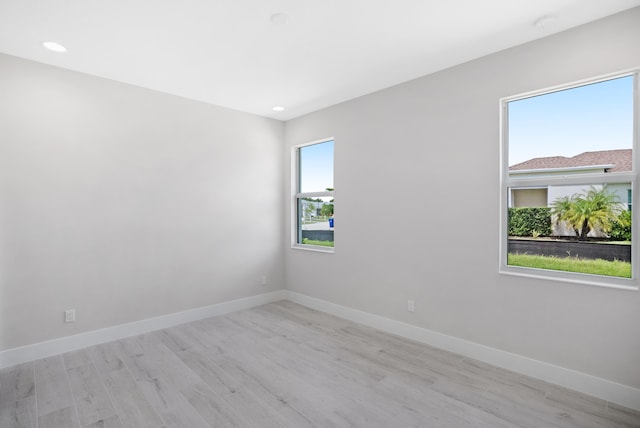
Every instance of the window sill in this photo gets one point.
(592, 280)
(315, 248)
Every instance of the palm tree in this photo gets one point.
(562, 210)
(594, 209)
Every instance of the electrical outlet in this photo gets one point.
(264, 280)
(411, 306)
(70, 315)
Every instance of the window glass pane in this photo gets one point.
(315, 221)
(574, 228)
(572, 127)
(571, 136)
(316, 167)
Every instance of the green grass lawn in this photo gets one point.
(572, 264)
(316, 242)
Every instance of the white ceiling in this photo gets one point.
(228, 52)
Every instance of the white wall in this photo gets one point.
(126, 204)
(426, 154)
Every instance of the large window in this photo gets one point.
(313, 196)
(568, 180)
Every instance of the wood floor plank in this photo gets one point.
(62, 418)
(269, 384)
(17, 383)
(112, 422)
(283, 390)
(623, 415)
(133, 408)
(187, 336)
(213, 409)
(168, 401)
(209, 372)
(105, 357)
(510, 408)
(90, 395)
(19, 414)
(182, 414)
(508, 383)
(52, 385)
(252, 411)
(325, 389)
(158, 392)
(77, 358)
(218, 328)
(578, 409)
(425, 404)
(384, 341)
(153, 359)
(284, 365)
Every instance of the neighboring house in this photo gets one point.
(606, 161)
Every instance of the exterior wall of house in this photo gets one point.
(621, 190)
(528, 198)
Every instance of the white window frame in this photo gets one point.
(296, 195)
(507, 182)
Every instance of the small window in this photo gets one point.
(313, 196)
(568, 179)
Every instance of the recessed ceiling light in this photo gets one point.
(279, 19)
(278, 108)
(545, 21)
(54, 47)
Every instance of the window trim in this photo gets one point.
(296, 195)
(507, 183)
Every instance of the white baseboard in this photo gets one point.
(607, 390)
(71, 343)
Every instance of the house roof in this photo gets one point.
(621, 159)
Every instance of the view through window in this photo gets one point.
(314, 195)
(568, 180)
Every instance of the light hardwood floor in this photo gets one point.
(284, 365)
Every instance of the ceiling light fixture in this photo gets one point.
(278, 108)
(54, 47)
(279, 19)
(544, 21)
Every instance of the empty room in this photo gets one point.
(319, 214)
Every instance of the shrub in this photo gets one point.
(593, 209)
(529, 221)
(621, 228)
